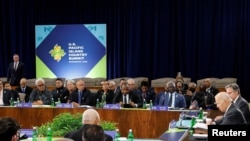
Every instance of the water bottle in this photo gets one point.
(130, 135)
(193, 122)
(34, 134)
(144, 106)
(18, 101)
(59, 101)
(151, 104)
(97, 103)
(11, 101)
(103, 100)
(200, 115)
(49, 134)
(52, 102)
(117, 135)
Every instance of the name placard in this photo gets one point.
(24, 105)
(64, 105)
(160, 108)
(112, 106)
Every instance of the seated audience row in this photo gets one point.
(126, 94)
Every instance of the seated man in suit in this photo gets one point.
(24, 89)
(170, 97)
(232, 114)
(40, 95)
(5, 95)
(105, 95)
(89, 117)
(145, 92)
(58, 92)
(93, 133)
(233, 91)
(14, 93)
(127, 98)
(81, 96)
(205, 99)
(9, 129)
(209, 87)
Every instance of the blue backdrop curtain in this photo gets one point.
(152, 38)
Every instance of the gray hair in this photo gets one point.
(234, 86)
(170, 82)
(40, 80)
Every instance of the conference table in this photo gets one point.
(145, 123)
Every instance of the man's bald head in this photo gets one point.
(90, 116)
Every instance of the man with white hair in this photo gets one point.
(41, 95)
(89, 117)
(232, 114)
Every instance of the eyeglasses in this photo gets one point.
(40, 85)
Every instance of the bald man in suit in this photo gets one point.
(89, 117)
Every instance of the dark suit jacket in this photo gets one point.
(14, 76)
(85, 98)
(232, 117)
(162, 100)
(109, 96)
(207, 103)
(77, 135)
(132, 96)
(7, 95)
(212, 90)
(27, 91)
(150, 95)
(242, 104)
(60, 93)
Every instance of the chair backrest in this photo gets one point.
(221, 83)
(212, 79)
(31, 82)
(3, 79)
(160, 82)
(117, 80)
(138, 80)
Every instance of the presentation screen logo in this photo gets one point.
(71, 51)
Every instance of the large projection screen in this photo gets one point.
(71, 51)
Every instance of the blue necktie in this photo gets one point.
(79, 97)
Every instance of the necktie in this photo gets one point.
(170, 100)
(79, 97)
(124, 99)
(15, 65)
(23, 90)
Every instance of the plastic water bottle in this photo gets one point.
(11, 102)
(49, 134)
(130, 135)
(117, 135)
(151, 104)
(34, 134)
(97, 103)
(18, 101)
(193, 122)
(52, 102)
(200, 116)
(59, 101)
(103, 100)
(144, 106)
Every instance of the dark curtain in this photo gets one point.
(151, 38)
